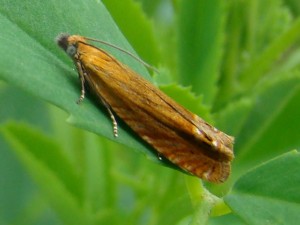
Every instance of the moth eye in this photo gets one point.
(71, 50)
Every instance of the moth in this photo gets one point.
(175, 133)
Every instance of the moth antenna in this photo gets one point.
(124, 51)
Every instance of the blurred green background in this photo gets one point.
(234, 63)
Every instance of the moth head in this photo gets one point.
(67, 43)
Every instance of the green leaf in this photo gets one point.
(272, 127)
(258, 33)
(50, 169)
(33, 62)
(144, 42)
(16, 106)
(200, 38)
(294, 6)
(264, 22)
(227, 219)
(232, 118)
(269, 56)
(270, 193)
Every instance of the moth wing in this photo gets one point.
(178, 135)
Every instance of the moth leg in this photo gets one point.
(112, 117)
(81, 74)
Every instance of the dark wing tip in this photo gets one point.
(62, 40)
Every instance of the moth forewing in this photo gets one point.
(175, 133)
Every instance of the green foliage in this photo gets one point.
(240, 58)
(135, 15)
(268, 194)
(200, 37)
